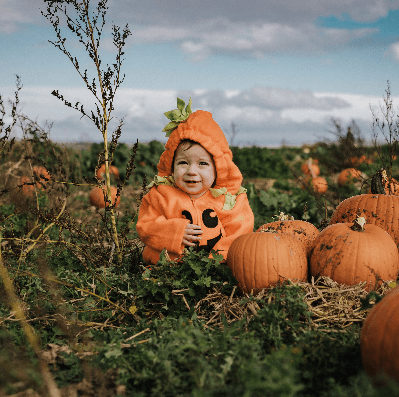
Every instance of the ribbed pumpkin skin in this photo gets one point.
(259, 260)
(379, 337)
(96, 197)
(350, 257)
(302, 230)
(378, 209)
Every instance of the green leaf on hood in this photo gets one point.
(173, 114)
(177, 116)
(180, 104)
(188, 107)
(170, 126)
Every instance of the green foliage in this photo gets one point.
(283, 320)
(194, 275)
(182, 357)
(328, 361)
(257, 162)
(267, 204)
(68, 369)
(145, 163)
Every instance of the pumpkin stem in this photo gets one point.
(376, 182)
(358, 224)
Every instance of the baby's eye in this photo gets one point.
(181, 162)
(204, 163)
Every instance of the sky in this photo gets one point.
(279, 71)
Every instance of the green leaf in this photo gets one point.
(173, 114)
(188, 107)
(180, 104)
(170, 126)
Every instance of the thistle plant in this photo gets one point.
(388, 125)
(88, 24)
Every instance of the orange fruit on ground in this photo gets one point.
(27, 190)
(347, 175)
(96, 197)
(112, 170)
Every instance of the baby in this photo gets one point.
(196, 199)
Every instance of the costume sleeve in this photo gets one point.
(237, 221)
(158, 232)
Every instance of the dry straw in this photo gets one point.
(334, 306)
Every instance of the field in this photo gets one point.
(78, 319)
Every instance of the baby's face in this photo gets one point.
(194, 169)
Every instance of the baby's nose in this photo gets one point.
(192, 170)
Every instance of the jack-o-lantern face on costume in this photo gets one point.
(212, 229)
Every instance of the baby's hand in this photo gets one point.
(191, 234)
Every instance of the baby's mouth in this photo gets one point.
(192, 182)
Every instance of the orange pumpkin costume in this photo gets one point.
(223, 212)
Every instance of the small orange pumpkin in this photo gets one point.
(42, 175)
(318, 183)
(310, 168)
(302, 230)
(347, 175)
(112, 170)
(379, 339)
(96, 197)
(27, 190)
(260, 260)
(353, 253)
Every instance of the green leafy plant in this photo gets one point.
(177, 287)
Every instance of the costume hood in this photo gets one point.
(200, 127)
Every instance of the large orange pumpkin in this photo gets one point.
(112, 170)
(302, 230)
(260, 260)
(347, 175)
(96, 197)
(378, 208)
(379, 339)
(353, 253)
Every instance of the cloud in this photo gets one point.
(263, 116)
(221, 36)
(292, 12)
(201, 28)
(393, 51)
